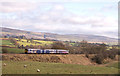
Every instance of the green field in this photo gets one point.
(17, 67)
(7, 43)
(0, 49)
(14, 50)
(115, 65)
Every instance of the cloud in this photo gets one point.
(56, 18)
(59, 0)
(16, 6)
(58, 7)
(110, 7)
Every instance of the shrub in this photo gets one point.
(112, 54)
(4, 50)
(87, 55)
(118, 52)
(98, 58)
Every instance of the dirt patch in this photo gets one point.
(67, 59)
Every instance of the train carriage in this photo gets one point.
(46, 51)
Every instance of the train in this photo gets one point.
(46, 51)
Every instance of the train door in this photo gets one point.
(43, 51)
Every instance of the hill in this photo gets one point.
(65, 37)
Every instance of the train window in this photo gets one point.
(33, 51)
(38, 51)
(47, 50)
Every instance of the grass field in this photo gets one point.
(115, 65)
(0, 49)
(17, 67)
(15, 50)
(7, 43)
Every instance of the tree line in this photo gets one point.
(99, 50)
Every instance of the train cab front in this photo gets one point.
(26, 51)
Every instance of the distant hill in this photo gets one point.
(67, 37)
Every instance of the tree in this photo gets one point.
(19, 38)
(13, 41)
(58, 45)
(31, 40)
(4, 50)
(83, 41)
(27, 40)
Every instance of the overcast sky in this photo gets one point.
(62, 17)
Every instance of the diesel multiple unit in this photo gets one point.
(46, 51)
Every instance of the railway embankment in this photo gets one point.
(56, 58)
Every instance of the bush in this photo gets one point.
(112, 55)
(87, 55)
(4, 50)
(118, 52)
(98, 58)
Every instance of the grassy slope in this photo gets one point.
(11, 50)
(15, 67)
(15, 50)
(8, 43)
(114, 65)
(0, 49)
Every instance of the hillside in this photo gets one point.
(67, 37)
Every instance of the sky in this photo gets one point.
(62, 16)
